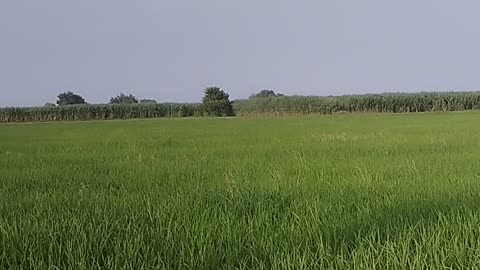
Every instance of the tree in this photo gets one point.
(148, 101)
(69, 98)
(217, 103)
(124, 99)
(266, 94)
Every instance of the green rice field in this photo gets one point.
(345, 191)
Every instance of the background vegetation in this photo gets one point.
(216, 102)
(332, 192)
(124, 99)
(68, 98)
(391, 103)
(99, 112)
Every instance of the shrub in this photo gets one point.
(69, 98)
(217, 103)
(148, 101)
(124, 99)
(266, 94)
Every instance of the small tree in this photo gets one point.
(124, 99)
(217, 103)
(148, 101)
(69, 98)
(266, 94)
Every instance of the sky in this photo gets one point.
(170, 50)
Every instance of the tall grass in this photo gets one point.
(98, 112)
(330, 192)
(392, 103)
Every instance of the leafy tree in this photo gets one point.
(69, 98)
(266, 94)
(123, 99)
(217, 103)
(148, 101)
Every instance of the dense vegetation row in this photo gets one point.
(390, 103)
(98, 112)
(71, 106)
(217, 103)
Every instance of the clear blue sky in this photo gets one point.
(170, 50)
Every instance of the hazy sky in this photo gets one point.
(170, 50)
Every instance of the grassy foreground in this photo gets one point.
(329, 192)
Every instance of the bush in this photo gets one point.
(124, 99)
(266, 94)
(217, 103)
(148, 101)
(69, 98)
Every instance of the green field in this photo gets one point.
(371, 191)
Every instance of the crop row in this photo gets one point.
(390, 103)
(98, 112)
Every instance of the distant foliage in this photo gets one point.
(70, 98)
(98, 112)
(266, 94)
(389, 103)
(148, 101)
(124, 99)
(217, 103)
(48, 104)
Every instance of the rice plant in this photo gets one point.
(363, 191)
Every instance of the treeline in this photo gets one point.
(216, 103)
(71, 106)
(381, 103)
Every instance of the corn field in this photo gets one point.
(98, 112)
(390, 103)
